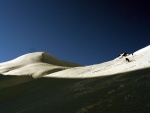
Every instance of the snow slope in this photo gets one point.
(139, 60)
(124, 92)
(42, 64)
(35, 64)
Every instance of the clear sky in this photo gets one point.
(82, 31)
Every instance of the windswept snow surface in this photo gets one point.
(42, 64)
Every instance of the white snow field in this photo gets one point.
(138, 60)
(40, 64)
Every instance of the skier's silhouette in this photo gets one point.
(127, 60)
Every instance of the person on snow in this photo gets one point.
(127, 60)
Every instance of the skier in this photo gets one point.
(127, 60)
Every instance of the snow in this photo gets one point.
(34, 64)
(118, 65)
(42, 64)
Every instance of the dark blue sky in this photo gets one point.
(82, 31)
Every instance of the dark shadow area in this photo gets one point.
(120, 93)
(10, 80)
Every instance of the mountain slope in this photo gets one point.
(116, 86)
(35, 65)
(41, 64)
(138, 60)
(120, 93)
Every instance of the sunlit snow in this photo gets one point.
(42, 64)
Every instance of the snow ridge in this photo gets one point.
(41, 64)
(34, 64)
(138, 60)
